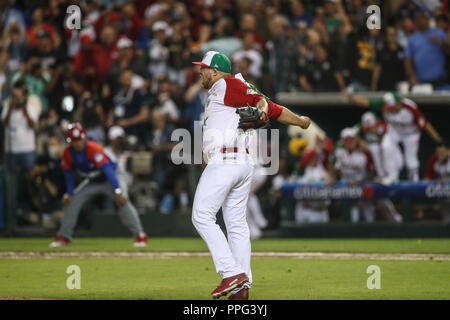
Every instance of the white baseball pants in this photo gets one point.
(225, 185)
(376, 153)
(392, 156)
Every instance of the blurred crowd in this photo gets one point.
(127, 76)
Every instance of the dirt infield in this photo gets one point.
(20, 298)
(162, 255)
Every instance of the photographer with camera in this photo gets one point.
(19, 116)
(36, 79)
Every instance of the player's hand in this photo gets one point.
(304, 122)
(67, 198)
(120, 200)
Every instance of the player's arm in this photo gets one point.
(69, 177)
(359, 101)
(429, 128)
(282, 114)
(239, 95)
(423, 124)
(263, 106)
(96, 155)
(109, 171)
(290, 118)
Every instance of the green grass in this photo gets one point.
(195, 278)
(197, 245)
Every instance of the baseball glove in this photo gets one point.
(252, 118)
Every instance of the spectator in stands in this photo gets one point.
(19, 117)
(38, 24)
(36, 79)
(321, 75)
(282, 54)
(130, 110)
(361, 57)
(3, 74)
(405, 28)
(424, 53)
(52, 61)
(47, 184)
(105, 53)
(194, 98)
(158, 52)
(91, 114)
(165, 103)
(243, 67)
(131, 21)
(179, 55)
(158, 140)
(335, 16)
(127, 60)
(389, 68)
(409, 9)
(224, 40)
(123, 18)
(254, 56)
(49, 126)
(248, 25)
(438, 168)
(442, 22)
(310, 39)
(298, 13)
(12, 15)
(85, 63)
(16, 49)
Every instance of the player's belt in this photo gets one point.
(231, 150)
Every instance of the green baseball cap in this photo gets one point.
(216, 60)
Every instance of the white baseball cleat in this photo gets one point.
(60, 241)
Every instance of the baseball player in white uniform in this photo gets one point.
(354, 164)
(372, 130)
(225, 181)
(404, 125)
(315, 211)
(438, 168)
